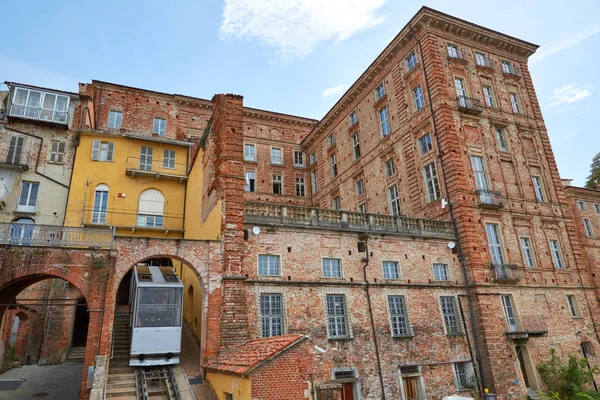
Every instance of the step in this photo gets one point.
(121, 384)
(116, 392)
(121, 377)
(121, 397)
(120, 370)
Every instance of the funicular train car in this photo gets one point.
(156, 316)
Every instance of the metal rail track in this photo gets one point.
(156, 381)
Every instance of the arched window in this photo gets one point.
(100, 205)
(22, 231)
(151, 208)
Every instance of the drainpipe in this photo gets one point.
(452, 218)
(366, 260)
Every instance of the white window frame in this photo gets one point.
(359, 186)
(103, 151)
(355, 146)
(330, 139)
(589, 230)
(299, 159)
(441, 267)
(115, 119)
(353, 118)
(502, 139)
(249, 152)
(169, 159)
(146, 158)
(538, 188)
(432, 183)
(425, 144)
(556, 252)
(394, 200)
(488, 95)
(159, 126)
(362, 208)
(573, 306)
(527, 250)
(419, 98)
(384, 122)
(389, 272)
(454, 51)
(411, 61)
(276, 159)
(494, 236)
(300, 187)
(380, 92)
(39, 111)
(31, 196)
(250, 186)
(481, 59)
(390, 167)
(57, 152)
(271, 270)
(328, 270)
(314, 176)
(514, 102)
(511, 314)
(100, 210)
(277, 179)
(312, 158)
(469, 374)
(333, 163)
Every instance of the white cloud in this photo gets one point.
(569, 94)
(294, 27)
(335, 91)
(553, 48)
(585, 110)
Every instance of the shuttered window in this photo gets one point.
(57, 152)
(102, 151)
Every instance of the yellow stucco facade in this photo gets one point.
(224, 383)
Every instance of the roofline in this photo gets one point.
(9, 84)
(582, 188)
(133, 136)
(393, 44)
(295, 342)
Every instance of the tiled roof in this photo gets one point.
(244, 358)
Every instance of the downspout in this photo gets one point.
(366, 260)
(452, 218)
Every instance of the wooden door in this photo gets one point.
(410, 387)
(348, 391)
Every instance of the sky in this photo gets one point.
(295, 56)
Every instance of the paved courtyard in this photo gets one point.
(54, 382)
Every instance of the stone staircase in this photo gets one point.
(121, 377)
(533, 394)
(75, 355)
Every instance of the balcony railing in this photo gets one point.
(530, 325)
(160, 169)
(506, 273)
(509, 69)
(132, 220)
(55, 236)
(490, 198)
(456, 54)
(469, 105)
(41, 114)
(286, 215)
(16, 160)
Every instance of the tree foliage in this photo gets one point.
(566, 381)
(593, 180)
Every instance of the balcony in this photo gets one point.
(530, 326)
(157, 169)
(315, 218)
(469, 105)
(509, 70)
(505, 273)
(17, 160)
(490, 198)
(55, 236)
(456, 54)
(124, 219)
(37, 113)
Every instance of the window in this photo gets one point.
(597, 207)
(411, 60)
(312, 158)
(508, 68)
(57, 152)
(481, 181)
(589, 231)
(330, 140)
(587, 349)
(335, 203)
(399, 316)
(115, 118)
(169, 159)
(464, 375)
(379, 92)
(581, 205)
(300, 190)
(315, 181)
(537, 188)
(495, 244)
(419, 99)
(332, 268)
(249, 152)
(514, 101)
(100, 205)
(431, 182)
(353, 118)
(15, 150)
(250, 185)
(527, 251)
(28, 196)
(268, 265)
(228, 396)
(298, 159)
(502, 142)
(556, 254)
(488, 94)
(426, 145)
(277, 184)
(573, 307)
(271, 312)
(412, 383)
(481, 59)
(461, 92)
(394, 200)
(102, 151)
(448, 305)
(440, 272)
(362, 208)
(333, 162)
(384, 121)
(509, 313)
(454, 51)
(160, 126)
(22, 231)
(391, 270)
(276, 158)
(355, 146)
(40, 105)
(360, 187)
(336, 316)
(151, 209)
(390, 168)
(146, 153)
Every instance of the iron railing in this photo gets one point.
(528, 325)
(55, 236)
(131, 219)
(20, 159)
(42, 114)
(483, 62)
(456, 54)
(506, 272)
(287, 215)
(469, 105)
(490, 198)
(162, 167)
(509, 69)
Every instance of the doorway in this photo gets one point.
(348, 391)
(80, 324)
(526, 367)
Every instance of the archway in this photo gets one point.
(80, 324)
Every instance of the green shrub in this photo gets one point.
(567, 381)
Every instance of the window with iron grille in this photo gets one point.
(440, 272)
(355, 146)
(449, 311)
(249, 152)
(464, 375)
(411, 60)
(332, 268)
(391, 270)
(426, 145)
(409, 369)
(271, 310)
(394, 200)
(277, 184)
(587, 348)
(268, 264)
(399, 316)
(300, 191)
(432, 183)
(336, 316)
(342, 374)
(390, 168)
(379, 92)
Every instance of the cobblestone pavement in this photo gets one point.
(53, 382)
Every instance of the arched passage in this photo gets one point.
(80, 324)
